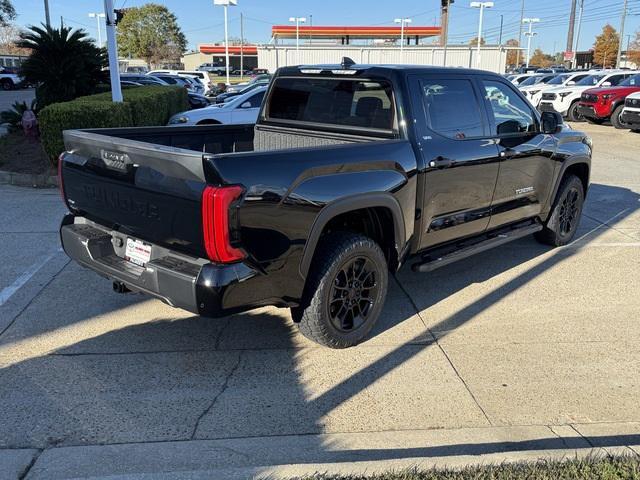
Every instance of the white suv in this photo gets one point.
(564, 99)
(631, 112)
(534, 93)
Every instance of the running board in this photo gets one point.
(442, 256)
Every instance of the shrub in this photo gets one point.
(142, 106)
(58, 117)
(151, 105)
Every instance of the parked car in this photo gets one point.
(202, 77)
(196, 100)
(262, 78)
(564, 79)
(241, 109)
(565, 99)
(9, 79)
(349, 172)
(521, 77)
(132, 69)
(532, 85)
(211, 68)
(223, 97)
(631, 112)
(606, 103)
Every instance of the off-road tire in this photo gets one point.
(572, 113)
(335, 252)
(616, 121)
(554, 232)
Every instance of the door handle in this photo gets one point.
(441, 162)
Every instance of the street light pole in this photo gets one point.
(98, 16)
(298, 21)
(402, 22)
(226, 4)
(112, 51)
(529, 34)
(481, 6)
(46, 13)
(622, 20)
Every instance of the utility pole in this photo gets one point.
(112, 50)
(574, 64)
(46, 13)
(241, 47)
(501, 23)
(520, 34)
(622, 20)
(444, 29)
(572, 22)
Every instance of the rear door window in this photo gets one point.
(452, 108)
(328, 101)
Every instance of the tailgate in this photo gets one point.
(152, 192)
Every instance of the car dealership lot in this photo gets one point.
(520, 348)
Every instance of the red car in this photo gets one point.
(604, 103)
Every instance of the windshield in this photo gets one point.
(530, 81)
(590, 80)
(631, 81)
(559, 80)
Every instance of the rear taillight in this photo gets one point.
(216, 203)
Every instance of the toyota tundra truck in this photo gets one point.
(349, 172)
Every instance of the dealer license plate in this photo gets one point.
(137, 252)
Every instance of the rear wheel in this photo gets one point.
(616, 121)
(573, 115)
(562, 224)
(345, 293)
(6, 84)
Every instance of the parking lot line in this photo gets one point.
(19, 282)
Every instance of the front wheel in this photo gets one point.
(345, 293)
(562, 224)
(616, 121)
(6, 85)
(573, 115)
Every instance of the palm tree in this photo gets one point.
(64, 63)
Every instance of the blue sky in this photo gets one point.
(202, 22)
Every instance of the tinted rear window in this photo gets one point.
(354, 103)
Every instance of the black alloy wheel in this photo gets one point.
(353, 294)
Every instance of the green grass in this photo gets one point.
(601, 468)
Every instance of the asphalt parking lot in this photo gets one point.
(518, 351)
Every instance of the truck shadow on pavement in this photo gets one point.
(249, 375)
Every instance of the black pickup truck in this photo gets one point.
(350, 171)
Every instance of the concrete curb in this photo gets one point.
(338, 453)
(41, 180)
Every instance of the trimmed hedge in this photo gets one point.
(142, 106)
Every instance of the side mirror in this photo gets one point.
(551, 122)
(571, 82)
(606, 84)
(246, 105)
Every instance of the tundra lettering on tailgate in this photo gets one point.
(122, 201)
